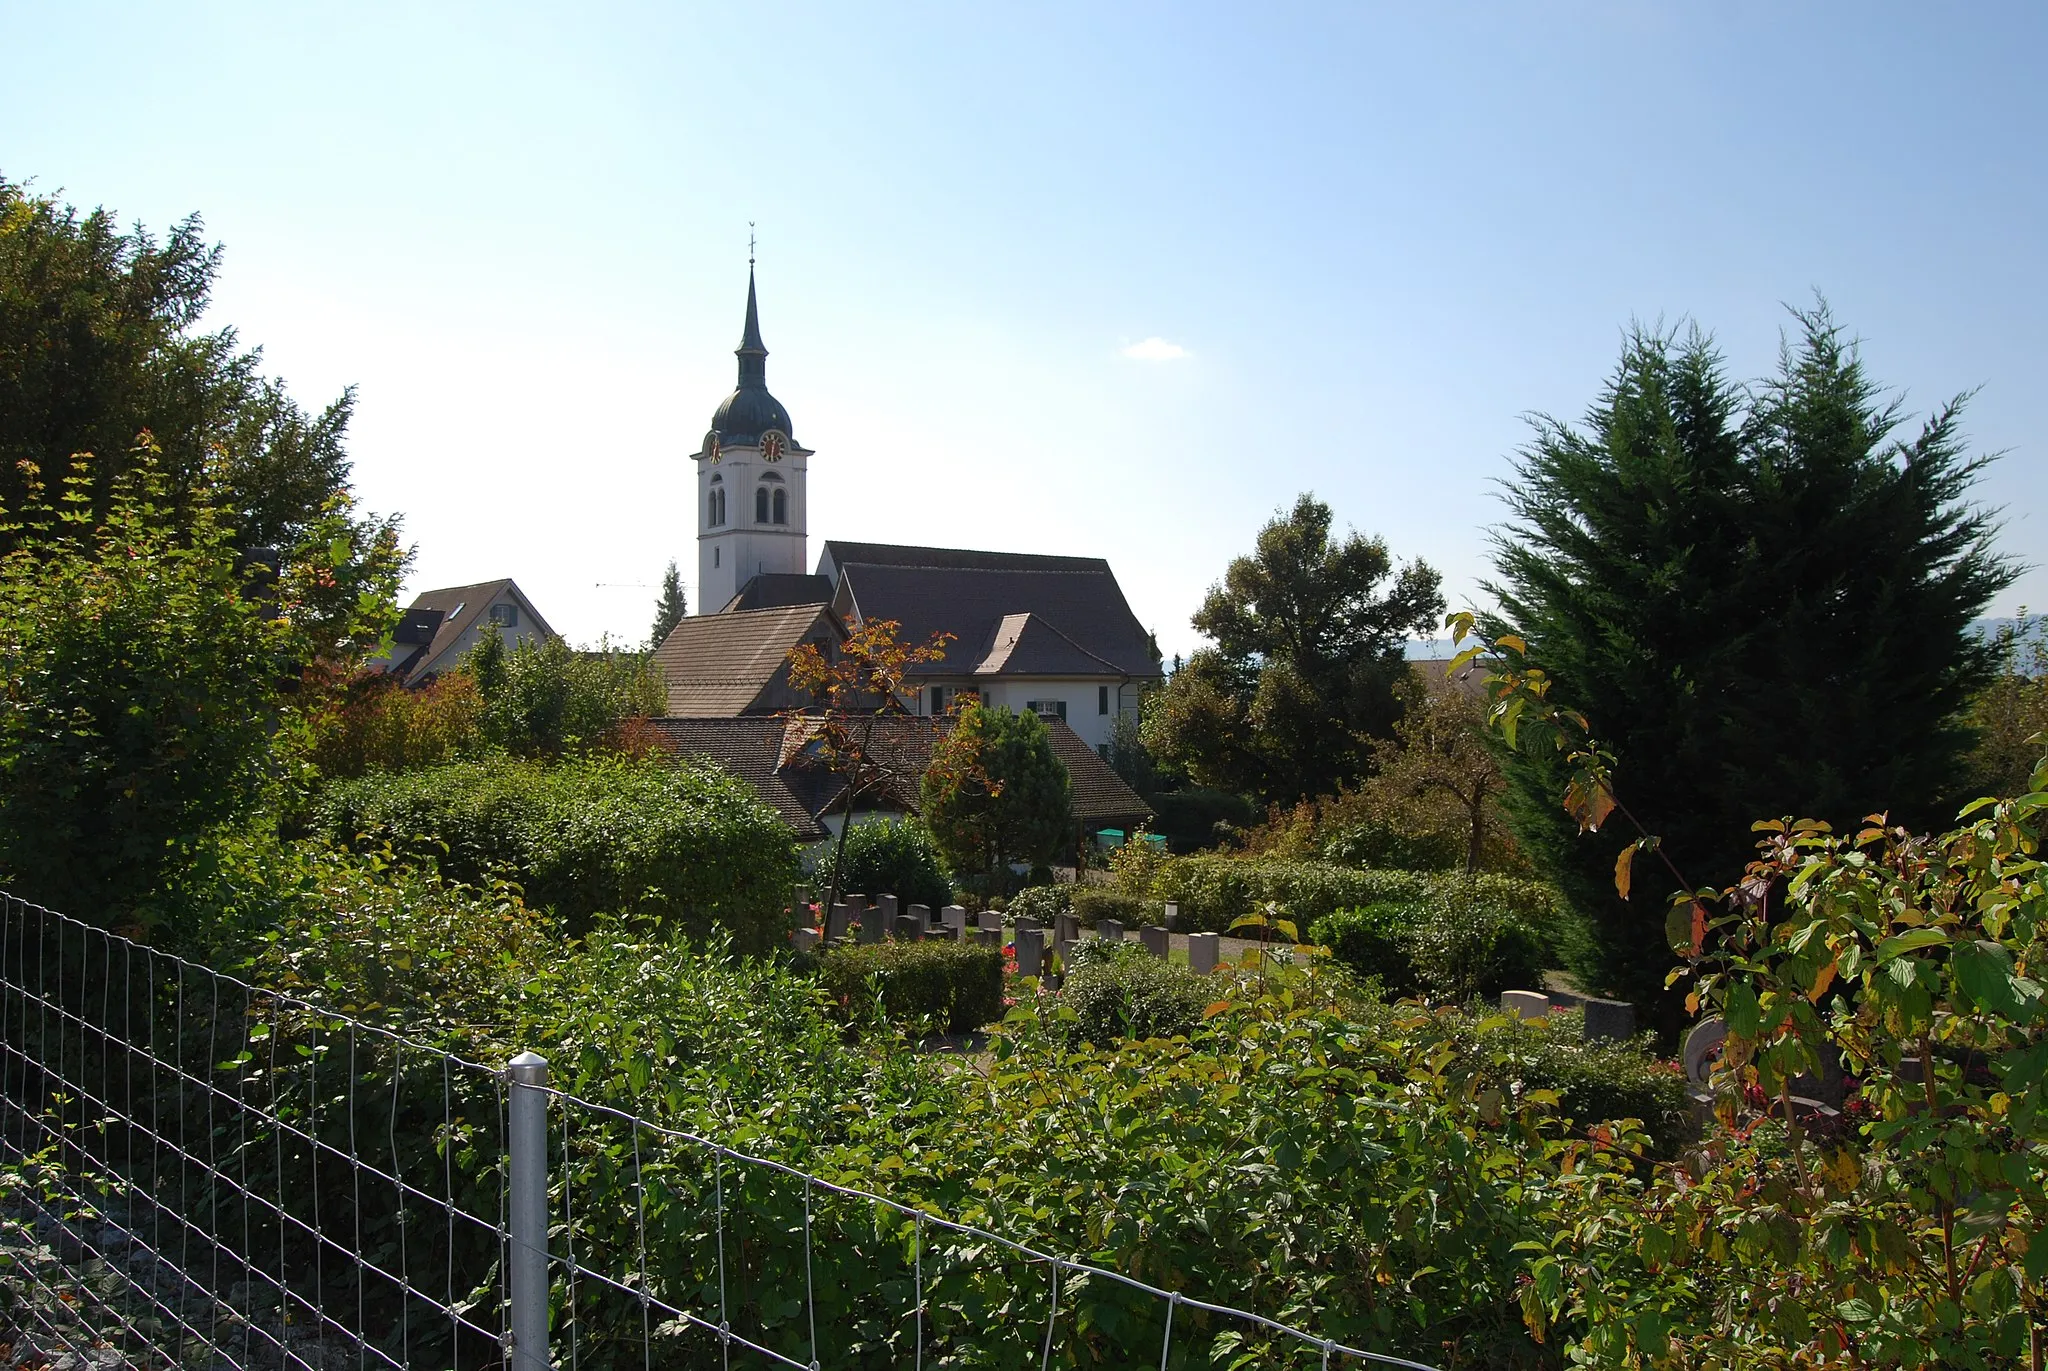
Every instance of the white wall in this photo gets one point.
(1082, 694)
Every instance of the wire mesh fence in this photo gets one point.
(204, 1172)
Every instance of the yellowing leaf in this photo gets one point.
(1624, 863)
(1821, 983)
(1221, 1006)
(1511, 641)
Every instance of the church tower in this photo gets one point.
(751, 502)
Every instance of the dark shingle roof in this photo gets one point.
(780, 589)
(768, 753)
(840, 553)
(1075, 599)
(717, 665)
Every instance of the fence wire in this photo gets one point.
(208, 1173)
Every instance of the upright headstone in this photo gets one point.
(886, 906)
(1030, 951)
(989, 937)
(923, 915)
(1110, 929)
(837, 921)
(1204, 951)
(1066, 953)
(1610, 1019)
(1066, 928)
(1026, 923)
(857, 900)
(987, 919)
(1525, 1004)
(1156, 940)
(871, 926)
(806, 939)
(909, 928)
(954, 919)
(1172, 913)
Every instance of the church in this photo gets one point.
(1049, 634)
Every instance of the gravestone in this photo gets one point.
(954, 918)
(1204, 951)
(909, 928)
(1026, 923)
(1030, 951)
(838, 921)
(990, 937)
(1110, 929)
(923, 914)
(1156, 940)
(1066, 928)
(1525, 1004)
(1066, 953)
(805, 939)
(989, 918)
(885, 905)
(1610, 1019)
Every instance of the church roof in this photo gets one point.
(719, 665)
(1010, 613)
(769, 754)
(743, 416)
(780, 589)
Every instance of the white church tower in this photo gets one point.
(751, 501)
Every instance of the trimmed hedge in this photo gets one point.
(1470, 935)
(1094, 903)
(600, 834)
(1122, 991)
(957, 984)
(1374, 942)
(1214, 890)
(1041, 902)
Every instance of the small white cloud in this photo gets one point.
(1155, 350)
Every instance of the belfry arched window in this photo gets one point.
(771, 501)
(714, 507)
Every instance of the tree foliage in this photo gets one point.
(544, 698)
(100, 342)
(850, 688)
(147, 669)
(1308, 634)
(670, 607)
(996, 793)
(2010, 716)
(1763, 600)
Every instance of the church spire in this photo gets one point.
(753, 354)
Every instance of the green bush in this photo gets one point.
(1094, 903)
(1378, 844)
(1122, 991)
(1041, 902)
(1463, 948)
(599, 834)
(892, 857)
(1214, 890)
(1197, 818)
(958, 985)
(1374, 943)
(543, 697)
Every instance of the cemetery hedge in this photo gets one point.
(1121, 991)
(889, 857)
(956, 987)
(588, 835)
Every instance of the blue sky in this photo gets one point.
(1369, 239)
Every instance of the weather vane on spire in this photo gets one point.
(750, 245)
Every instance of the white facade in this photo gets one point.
(738, 535)
(1092, 703)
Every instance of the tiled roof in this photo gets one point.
(1081, 604)
(718, 665)
(1026, 645)
(768, 753)
(459, 607)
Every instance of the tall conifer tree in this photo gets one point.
(669, 607)
(1761, 598)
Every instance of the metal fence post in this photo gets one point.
(527, 1206)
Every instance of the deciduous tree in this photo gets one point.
(997, 793)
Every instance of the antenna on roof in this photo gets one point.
(750, 245)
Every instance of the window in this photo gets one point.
(781, 505)
(761, 504)
(938, 699)
(766, 512)
(505, 616)
(714, 512)
(1102, 699)
(1102, 751)
(714, 555)
(1047, 709)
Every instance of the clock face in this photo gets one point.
(771, 446)
(711, 449)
